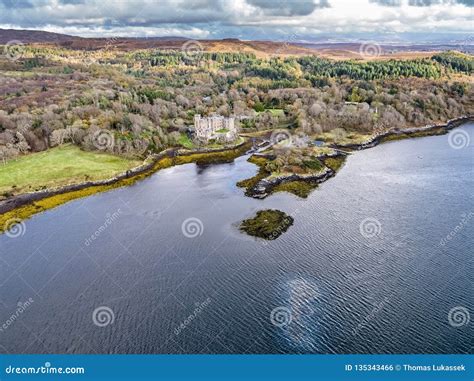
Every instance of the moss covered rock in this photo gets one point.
(267, 224)
(298, 188)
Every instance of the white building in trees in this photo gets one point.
(215, 127)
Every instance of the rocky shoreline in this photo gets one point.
(261, 190)
(24, 199)
(265, 186)
(434, 129)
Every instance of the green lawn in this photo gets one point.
(341, 136)
(185, 141)
(58, 166)
(274, 111)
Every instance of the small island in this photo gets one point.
(267, 224)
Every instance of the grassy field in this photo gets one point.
(185, 141)
(58, 166)
(273, 111)
(39, 206)
(340, 136)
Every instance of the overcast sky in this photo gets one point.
(296, 20)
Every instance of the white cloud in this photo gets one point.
(275, 19)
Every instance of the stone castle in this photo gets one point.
(216, 127)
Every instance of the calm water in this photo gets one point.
(214, 293)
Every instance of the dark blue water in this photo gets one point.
(331, 288)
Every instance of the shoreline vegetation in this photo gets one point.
(58, 167)
(137, 102)
(21, 207)
(265, 183)
(25, 205)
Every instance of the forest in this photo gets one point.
(133, 103)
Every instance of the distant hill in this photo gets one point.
(34, 36)
(332, 50)
(260, 48)
(351, 50)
